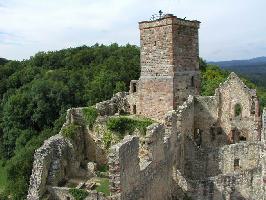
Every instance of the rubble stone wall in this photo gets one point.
(231, 93)
(244, 185)
(117, 104)
(62, 193)
(169, 66)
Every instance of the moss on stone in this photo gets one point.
(123, 125)
(107, 139)
(103, 186)
(90, 115)
(70, 131)
(78, 194)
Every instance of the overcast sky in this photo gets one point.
(230, 29)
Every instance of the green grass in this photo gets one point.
(78, 194)
(104, 186)
(70, 131)
(127, 125)
(3, 177)
(90, 115)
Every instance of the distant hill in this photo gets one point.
(3, 61)
(231, 63)
(254, 69)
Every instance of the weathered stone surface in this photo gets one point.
(169, 66)
(117, 104)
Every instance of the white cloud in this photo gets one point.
(229, 29)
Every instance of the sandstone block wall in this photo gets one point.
(169, 66)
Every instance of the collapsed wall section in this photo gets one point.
(60, 158)
(55, 160)
(146, 179)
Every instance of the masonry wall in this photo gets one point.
(56, 160)
(233, 92)
(60, 158)
(186, 59)
(169, 66)
(146, 179)
(245, 185)
(154, 97)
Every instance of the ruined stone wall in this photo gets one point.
(264, 125)
(231, 172)
(55, 160)
(62, 193)
(43, 159)
(207, 122)
(231, 93)
(244, 185)
(149, 178)
(117, 104)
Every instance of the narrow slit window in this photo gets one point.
(236, 163)
(134, 87)
(192, 81)
(134, 109)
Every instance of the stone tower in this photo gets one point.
(169, 66)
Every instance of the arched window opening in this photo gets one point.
(238, 110)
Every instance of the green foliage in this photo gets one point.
(202, 65)
(78, 194)
(107, 139)
(211, 78)
(35, 93)
(3, 61)
(90, 115)
(125, 125)
(3, 177)
(103, 168)
(238, 110)
(104, 186)
(102, 171)
(70, 131)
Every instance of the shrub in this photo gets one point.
(78, 194)
(104, 186)
(123, 125)
(107, 139)
(90, 115)
(70, 131)
(103, 168)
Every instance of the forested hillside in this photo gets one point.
(254, 69)
(35, 94)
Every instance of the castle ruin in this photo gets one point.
(198, 148)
